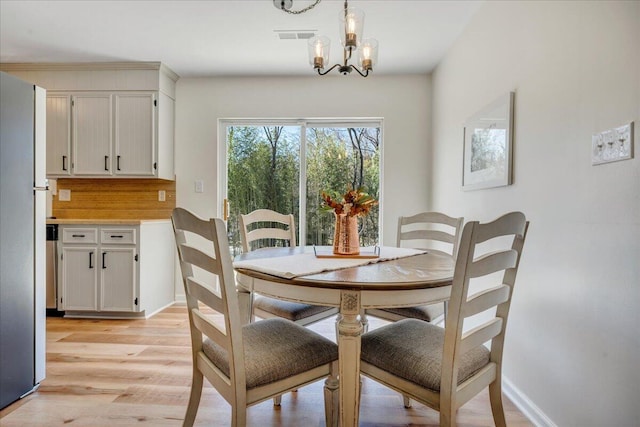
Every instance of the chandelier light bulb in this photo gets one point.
(318, 48)
(368, 54)
(351, 26)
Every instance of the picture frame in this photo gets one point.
(488, 146)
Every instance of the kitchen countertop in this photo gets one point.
(66, 221)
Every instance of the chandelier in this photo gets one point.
(351, 22)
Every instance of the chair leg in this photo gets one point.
(332, 397)
(365, 321)
(495, 397)
(447, 411)
(238, 416)
(194, 398)
(277, 400)
(407, 401)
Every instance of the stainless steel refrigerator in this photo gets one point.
(22, 237)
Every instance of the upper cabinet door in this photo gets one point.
(135, 138)
(58, 135)
(92, 152)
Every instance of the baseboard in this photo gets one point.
(526, 405)
(148, 315)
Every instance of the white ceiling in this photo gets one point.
(215, 37)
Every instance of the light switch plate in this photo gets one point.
(64, 195)
(162, 196)
(612, 145)
(199, 186)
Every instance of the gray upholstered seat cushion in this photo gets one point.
(423, 312)
(412, 349)
(275, 349)
(293, 311)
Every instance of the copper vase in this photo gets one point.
(345, 238)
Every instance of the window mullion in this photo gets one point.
(302, 226)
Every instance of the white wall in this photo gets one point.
(573, 341)
(403, 102)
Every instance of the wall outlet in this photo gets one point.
(162, 196)
(64, 195)
(612, 145)
(199, 186)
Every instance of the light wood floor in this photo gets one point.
(108, 373)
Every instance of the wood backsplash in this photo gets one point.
(114, 199)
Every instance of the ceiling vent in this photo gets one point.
(295, 34)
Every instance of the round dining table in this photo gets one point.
(419, 279)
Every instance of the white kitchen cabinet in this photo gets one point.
(101, 111)
(118, 278)
(80, 278)
(118, 135)
(58, 135)
(92, 135)
(135, 134)
(116, 270)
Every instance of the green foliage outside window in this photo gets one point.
(264, 172)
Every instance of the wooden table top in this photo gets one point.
(414, 272)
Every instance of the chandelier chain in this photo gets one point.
(297, 12)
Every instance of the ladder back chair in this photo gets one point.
(432, 231)
(245, 364)
(264, 227)
(445, 367)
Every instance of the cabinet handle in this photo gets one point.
(118, 162)
(77, 235)
(104, 261)
(90, 259)
(106, 159)
(116, 236)
(64, 163)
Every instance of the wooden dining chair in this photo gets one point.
(436, 233)
(445, 367)
(267, 228)
(245, 364)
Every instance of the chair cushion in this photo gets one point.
(275, 349)
(412, 349)
(293, 311)
(428, 313)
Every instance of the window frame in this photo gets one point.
(357, 122)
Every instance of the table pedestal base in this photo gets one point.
(349, 332)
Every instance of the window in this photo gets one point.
(263, 169)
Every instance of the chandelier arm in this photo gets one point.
(359, 72)
(329, 70)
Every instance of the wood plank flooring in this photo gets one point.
(108, 373)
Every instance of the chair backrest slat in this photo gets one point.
(268, 233)
(493, 262)
(210, 329)
(420, 231)
(197, 258)
(440, 236)
(208, 296)
(248, 235)
(481, 334)
(484, 300)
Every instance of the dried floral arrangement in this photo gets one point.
(353, 203)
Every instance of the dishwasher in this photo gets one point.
(52, 269)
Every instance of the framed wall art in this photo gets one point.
(488, 146)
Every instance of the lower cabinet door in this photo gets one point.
(80, 278)
(118, 279)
